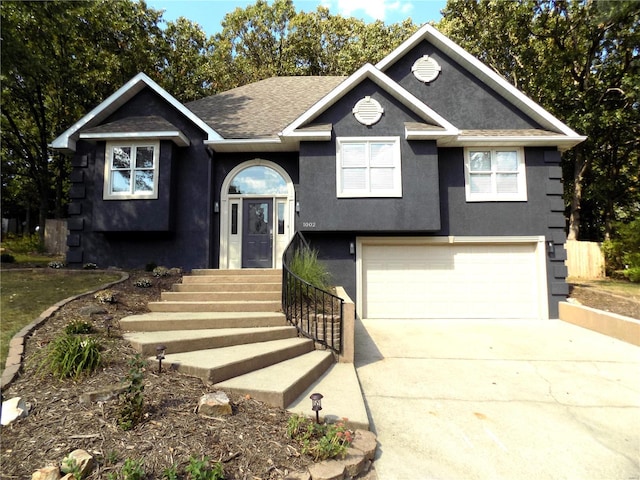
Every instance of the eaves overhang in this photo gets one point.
(176, 136)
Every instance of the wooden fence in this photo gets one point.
(55, 236)
(584, 259)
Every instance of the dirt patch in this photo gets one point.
(591, 296)
(252, 443)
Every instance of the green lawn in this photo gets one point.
(25, 294)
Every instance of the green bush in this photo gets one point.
(321, 441)
(622, 251)
(200, 470)
(7, 258)
(72, 355)
(305, 264)
(78, 327)
(24, 244)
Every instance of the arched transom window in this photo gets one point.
(258, 180)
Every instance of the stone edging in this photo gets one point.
(16, 345)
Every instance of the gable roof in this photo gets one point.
(370, 72)
(67, 140)
(485, 74)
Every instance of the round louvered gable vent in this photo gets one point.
(368, 111)
(426, 69)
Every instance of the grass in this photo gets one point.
(617, 287)
(25, 294)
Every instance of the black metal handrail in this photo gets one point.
(316, 313)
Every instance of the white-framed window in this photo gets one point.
(495, 174)
(368, 167)
(131, 170)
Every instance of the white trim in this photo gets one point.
(108, 152)
(370, 72)
(540, 252)
(483, 73)
(368, 193)
(67, 140)
(252, 145)
(494, 196)
(176, 136)
(225, 207)
(561, 142)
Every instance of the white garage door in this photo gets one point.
(451, 281)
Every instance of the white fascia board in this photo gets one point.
(561, 142)
(427, 134)
(383, 81)
(176, 136)
(117, 99)
(311, 136)
(252, 145)
(482, 72)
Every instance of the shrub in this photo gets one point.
(7, 258)
(150, 267)
(160, 272)
(71, 356)
(78, 327)
(632, 274)
(90, 266)
(55, 264)
(305, 264)
(143, 283)
(321, 441)
(106, 296)
(199, 469)
(622, 251)
(132, 400)
(24, 244)
(133, 470)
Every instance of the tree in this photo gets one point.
(59, 60)
(580, 60)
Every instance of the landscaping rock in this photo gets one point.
(46, 473)
(298, 476)
(354, 462)
(327, 470)
(80, 458)
(104, 395)
(92, 310)
(215, 404)
(365, 441)
(13, 409)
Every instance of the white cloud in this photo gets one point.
(377, 9)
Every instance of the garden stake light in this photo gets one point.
(160, 349)
(316, 405)
(107, 324)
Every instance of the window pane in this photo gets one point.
(258, 217)
(354, 155)
(507, 161)
(381, 179)
(507, 183)
(121, 157)
(144, 181)
(144, 157)
(280, 218)
(234, 219)
(480, 161)
(120, 181)
(258, 180)
(381, 155)
(480, 183)
(354, 179)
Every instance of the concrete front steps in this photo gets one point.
(226, 327)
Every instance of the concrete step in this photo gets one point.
(342, 397)
(178, 341)
(271, 278)
(165, 321)
(233, 306)
(228, 287)
(250, 272)
(218, 364)
(283, 382)
(220, 296)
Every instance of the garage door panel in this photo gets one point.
(450, 281)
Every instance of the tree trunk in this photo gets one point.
(579, 170)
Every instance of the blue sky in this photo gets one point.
(209, 13)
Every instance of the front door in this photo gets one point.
(257, 233)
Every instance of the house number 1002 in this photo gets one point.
(309, 224)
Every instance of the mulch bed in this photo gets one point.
(592, 297)
(252, 443)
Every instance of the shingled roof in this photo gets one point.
(262, 109)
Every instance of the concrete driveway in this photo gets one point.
(500, 400)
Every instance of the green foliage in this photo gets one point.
(150, 267)
(78, 327)
(170, 473)
(132, 400)
(72, 355)
(23, 244)
(143, 283)
(132, 470)
(320, 441)
(622, 250)
(305, 264)
(70, 465)
(200, 469)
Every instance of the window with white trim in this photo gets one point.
(368, 167)
(131, 170)
(495, 175)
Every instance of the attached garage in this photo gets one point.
(452, 277)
